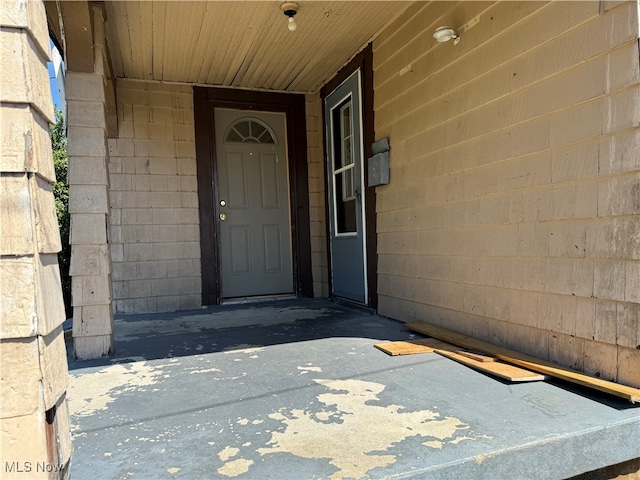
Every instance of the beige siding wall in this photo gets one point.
(512, 212)
(34, 420)
(155, 239)
(88, 179)
(318, 223)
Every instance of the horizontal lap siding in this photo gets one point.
(318, 226)
(155, 237)
(512, 212)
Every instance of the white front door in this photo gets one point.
(254, 221)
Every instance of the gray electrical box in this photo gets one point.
(378, 165)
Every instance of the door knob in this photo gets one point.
(223, 217)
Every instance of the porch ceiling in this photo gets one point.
(243, 43)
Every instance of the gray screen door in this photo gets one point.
(253, 185)
(343, 119)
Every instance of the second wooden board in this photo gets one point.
(536, 364)
(497, 369)
(412, 347)
(476, 356)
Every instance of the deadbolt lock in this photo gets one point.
(222, 203)
(223, 217)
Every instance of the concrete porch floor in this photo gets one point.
(294, 389)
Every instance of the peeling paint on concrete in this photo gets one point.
(245, 348)
(206, 370)
(235, 467)
(324, 416)
(94, 391)
(461, 439)
(433, 444)
(309, 368)
(146, 431)
(227, 453)
(362, 427)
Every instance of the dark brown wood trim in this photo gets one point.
(293, 106)
(206, 172)
(364, 62)
(370, 195)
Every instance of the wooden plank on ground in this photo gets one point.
(526, 361)
(497, 369)
(412, 347)
(476, 356)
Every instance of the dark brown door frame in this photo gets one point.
(364, 62)
(293, 106)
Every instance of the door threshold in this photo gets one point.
(257, 299)
(346, 302)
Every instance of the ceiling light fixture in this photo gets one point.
(290, 9)
(444, 34)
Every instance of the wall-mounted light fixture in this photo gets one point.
(290, 9)
(444, 34)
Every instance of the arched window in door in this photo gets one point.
(250, 130)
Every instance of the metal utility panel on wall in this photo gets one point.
(378, 165)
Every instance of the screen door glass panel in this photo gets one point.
(343, 168)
